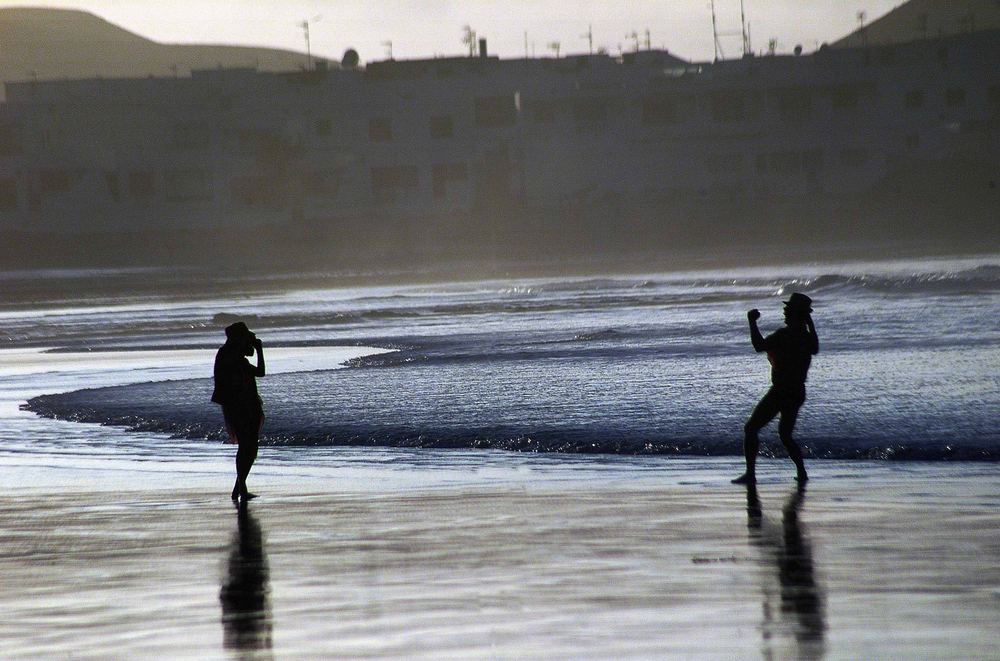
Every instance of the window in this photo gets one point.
(853, 158)
(321, 184)
(257, 191)
(914, 99)
(728, 106)
(913, 140)
(6, 139)
(808, 161)
(954, 96)
(845, 96)
(496, 111)
(141, 184)
(725, 163)
(379, 129)
(324, 126)
(113, 187)
(8, 194)
(793, 103)
(187, 185)
(391, 183)
(590, 110)
(442, 173)
(994, 94)
(441, 127)
(53, 181)
(659, 110)
(543, 111)
(191, 136)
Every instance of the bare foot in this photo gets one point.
(249, 496)
(746, 478)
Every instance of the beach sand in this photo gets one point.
(858, 566)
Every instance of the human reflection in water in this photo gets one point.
(246, 607)
(788, 553)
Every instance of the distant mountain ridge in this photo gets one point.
(925, 19)
(60, 43)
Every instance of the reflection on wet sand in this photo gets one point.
(246, 606)
(787, 556)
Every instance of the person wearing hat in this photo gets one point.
(236, 392)
(790, 351)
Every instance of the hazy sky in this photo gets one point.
(425, 28)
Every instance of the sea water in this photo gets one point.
(585, 371)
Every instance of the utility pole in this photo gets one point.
(589, 36)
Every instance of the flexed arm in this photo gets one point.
(812, 334)
(259, 346)
(755, 337)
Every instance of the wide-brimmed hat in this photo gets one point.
(799, 303)
(237, 331)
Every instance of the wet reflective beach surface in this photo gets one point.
(858, 566)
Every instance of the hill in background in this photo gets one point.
(58, 43)
(926, 19)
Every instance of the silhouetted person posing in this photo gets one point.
(236, 392)
(790, 350)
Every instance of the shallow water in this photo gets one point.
(659, 363)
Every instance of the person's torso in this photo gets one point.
(235, 381)
(790, 356)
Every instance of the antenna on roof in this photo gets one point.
(715, 32)
(745, 30)
(305, 28)
(589, 36)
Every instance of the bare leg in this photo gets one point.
(785, 427)
(762, 414)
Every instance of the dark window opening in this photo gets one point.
(441, 127)
(321, 184)
(728, 106)
(7, 141)
(324, 126)
(543, 111)
(391, 183)
(141, 184)
(188, 185)
(914, 99)
(8, 194)
(442, 173)
(853, 158)
(114, 188)
(53, 181)
(258, 191)
(658, 110)
(954, 96)
(845, 96)
(794, 103)
(496, 111)
(590, 110)
(379, 129)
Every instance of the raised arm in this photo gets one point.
(259, 346)
(812, 335)
(755, 337)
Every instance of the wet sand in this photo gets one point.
(856, 567)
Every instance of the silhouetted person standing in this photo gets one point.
(236, 392)
(790, 350)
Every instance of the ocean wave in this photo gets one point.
(589, 440)
(981, 279)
